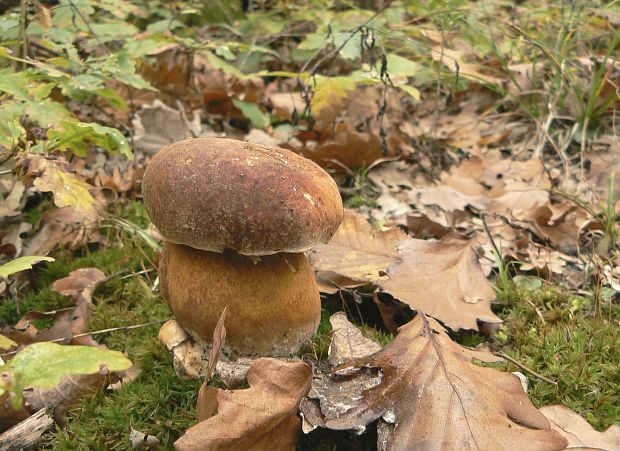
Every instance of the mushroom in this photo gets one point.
(237, 218)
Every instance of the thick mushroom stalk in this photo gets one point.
(237, 217)
(273, 302)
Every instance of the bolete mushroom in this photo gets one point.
(237, 218)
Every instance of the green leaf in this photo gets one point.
(17, 131)
(528, 283)
(219, 63)
(313, 41)
(14, 83)
(77, 136)
(351, 45)
(224, 52)
(22, 264)
(253, 113)
(164, 25)
(397, 66)
(329, 89)
(413, 92)
(43, 365)
(46, 112)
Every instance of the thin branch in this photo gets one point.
(98, 332)
(525, 368)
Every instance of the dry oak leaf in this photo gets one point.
(560, 224)
(60, 227)
(261, 417)
(579, 433)
(437, 399)
(443, 279)
(357, 254)
(80, 284)
(348, 342)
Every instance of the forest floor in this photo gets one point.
(492, 127)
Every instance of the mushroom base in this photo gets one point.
(273, 301)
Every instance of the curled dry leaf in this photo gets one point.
(80, 284)
(261, 417)
(444, 280)
(188, 357)
(347, 341)
(158, 125)
(186, 354)
(579, 433)
(142, 440)
(437, 398)
(559, 224)
(60, 227)
(10, 205)
(357, 254)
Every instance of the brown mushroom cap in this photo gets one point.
(215, 194)
(273, 301)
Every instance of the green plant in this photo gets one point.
(43, 365)
(22, 264)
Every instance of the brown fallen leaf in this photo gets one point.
(560, 224)
(438, 399)
(444, 280)
(61, 227)
(158, 125)
(579, 433)
(79, 284)
(347, 341)
(357, 254)
(261, 417)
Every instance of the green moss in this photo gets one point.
(570, 342)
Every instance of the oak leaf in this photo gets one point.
(357, 254)
(348, 342)
(68, 190)
(579, 433)
(443, 279)
(437, 399)
(261, 417)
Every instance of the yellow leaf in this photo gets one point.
(6, 342)
(328, 90)
(67, 189)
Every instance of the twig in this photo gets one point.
(525, 368)
(98, 332)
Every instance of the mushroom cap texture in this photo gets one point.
(273, 303)
(215, 194)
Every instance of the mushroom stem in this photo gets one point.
(273, 303)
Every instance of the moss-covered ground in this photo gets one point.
(572, 340)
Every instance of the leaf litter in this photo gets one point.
(432, 250)
(432, 393)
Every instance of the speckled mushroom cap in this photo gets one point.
(215, 194)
